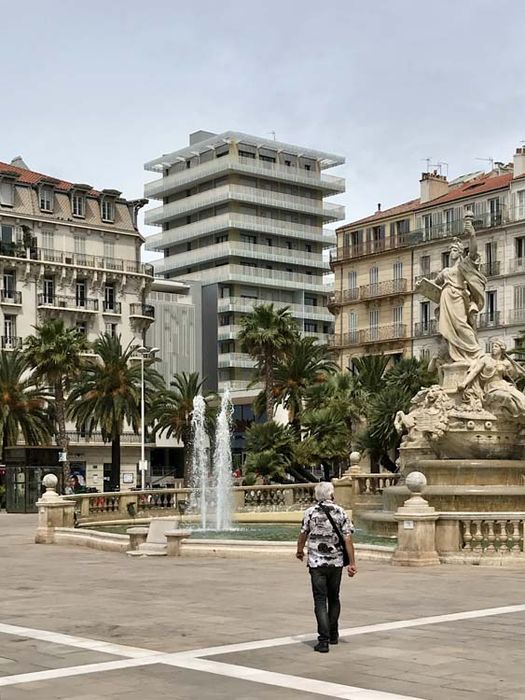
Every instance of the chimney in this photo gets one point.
(18, 162)
(379, 206)
(432, 186)
(519, 162)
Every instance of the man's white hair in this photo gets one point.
(323, 491)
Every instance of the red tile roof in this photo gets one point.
(29, 177)
(479, 185)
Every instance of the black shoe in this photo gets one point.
(322, 647)
(334, 640)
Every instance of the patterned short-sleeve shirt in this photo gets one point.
(324, 548)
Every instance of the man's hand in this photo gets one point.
(352, 570)
(299, 555)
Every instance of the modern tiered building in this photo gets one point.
(379, 260)
(69, 251)
(244, 216)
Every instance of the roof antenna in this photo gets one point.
(488, 160)
(272, 133)
(428, 161)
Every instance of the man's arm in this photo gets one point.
(349, 544)
(301, 541)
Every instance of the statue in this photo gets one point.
(487, 378)
(459, 292)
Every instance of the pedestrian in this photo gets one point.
(328, 532)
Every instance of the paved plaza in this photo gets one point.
(78, 624)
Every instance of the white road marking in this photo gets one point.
(193, 659)
(283, 680)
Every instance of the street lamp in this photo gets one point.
(143, 463)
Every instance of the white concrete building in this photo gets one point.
(244, 216)
(69, 251)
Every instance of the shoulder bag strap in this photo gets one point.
(338, 532)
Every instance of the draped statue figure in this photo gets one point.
(459, 291)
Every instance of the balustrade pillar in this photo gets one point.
(53, 511)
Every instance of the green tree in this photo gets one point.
(270, 449)
(107, 395)
(172, 411)
(265, 334)
(305, 363)
(54, 353)
(326, 442)
(23, 404)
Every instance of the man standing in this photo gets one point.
(325, 560)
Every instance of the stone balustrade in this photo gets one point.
(123, 505)
(373, 484)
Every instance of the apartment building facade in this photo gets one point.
(379, 260)
(69, 251)
(244, 216)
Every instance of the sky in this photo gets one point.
(91, 91)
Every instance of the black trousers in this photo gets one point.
(326, 582)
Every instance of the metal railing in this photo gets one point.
(489, 320)
(383, 289)
(235, 359)
(64, 302)
(378, 334)
(349, 339)
(297, 310)
(11, 342)
(112, 307)
(144, 310)
(247, 273)
(424, 329)
(9, 296)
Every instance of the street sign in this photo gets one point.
(143, 465)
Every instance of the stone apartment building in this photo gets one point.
(69, 251)
(244, 215)
(379, 259)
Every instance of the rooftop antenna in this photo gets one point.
(428, 161)
(488, 160)
(272, 133)
(442, 164)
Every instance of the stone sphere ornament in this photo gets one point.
(355, 457)
(416, 482)
(50, 481)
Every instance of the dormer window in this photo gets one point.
(47, 196)
(107, 209)
(78, 204)
(7, 193)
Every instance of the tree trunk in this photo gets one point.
(269, 389)
(63, 441)
(115, 463)
(186, 441)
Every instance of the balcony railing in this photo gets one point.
(10, 342)
(346, 296)
(235, 359)
(297, 310)
(9, 296)
(383, 289)
(93, 261)
(489, 320)
(491, 269)
(83, 438)
(516, 316)
(425, 329)
(142, 311)
(342, 340)
(359, 250)
(378, 334)
(63, 302)
(112, 307)
(264, 277)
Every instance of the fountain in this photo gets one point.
(212, 487)
(222, 466)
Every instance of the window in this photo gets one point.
(48, 238)
(307, 167)
(520, 209)
(519, 296)
(310, 327)
(449, 220)
(246, 238)
(352, 326)
(49, 290)
(373, 316)
(9, 284)
(221, 239)
(397, 315)
(7, 193)
(7, 234)
(308, 248)
(79, 243)
(445, 258)
(9, 331)
(78, 204)
(289, 245)
(491, 306)
(352, 279)
(288, 162)
(112, 329)
(267, 159)
(109, 250)
(46, 198)
(377, 238)
(424, 265)
(107, 209)
(427, 225)
(373, 275)
(495, 211)
(109, 297)
(81, 327)
(397, 270)
(246, 154)
(80, 293)
(519, 249)
(491, 254)
(424, 315)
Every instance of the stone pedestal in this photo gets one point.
(416, 528)
(174, 541)
(53, 511)
(137, 536)
(454, 374)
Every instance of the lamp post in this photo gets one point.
(144, 353)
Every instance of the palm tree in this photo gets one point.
(265, 334)
(327, 439)
(107, 396)
(23, 404)
(172, 411)
(304, 364)
(270, 449)
(54, 353)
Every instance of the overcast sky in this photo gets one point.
(90, 91)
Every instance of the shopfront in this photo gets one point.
(25, 467)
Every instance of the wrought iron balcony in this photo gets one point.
(374, 247)
(9, 296)
(10, 342)
(343, 340)
(516, 316)
(383, 289)
(491, 269)
(55, 301)
(112, 307)
(489, 320)
(146, 311)
(425, 329)
(379, 334)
